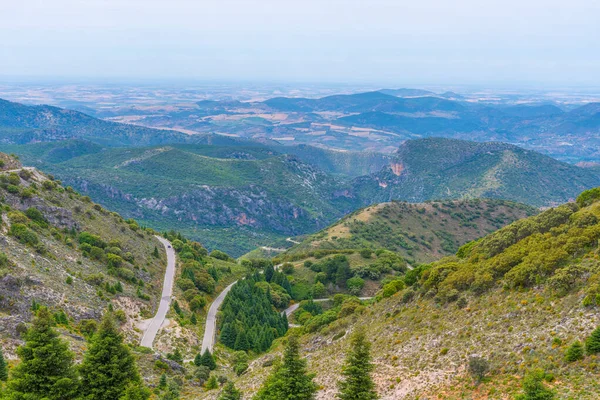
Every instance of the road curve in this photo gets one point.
(165, 300)
(210, 328)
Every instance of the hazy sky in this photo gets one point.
(370, 41)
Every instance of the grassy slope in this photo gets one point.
(419, 232)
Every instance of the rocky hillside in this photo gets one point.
(61, 250)
(420, 232)
(516, 300)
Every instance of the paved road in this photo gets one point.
(210, 328)
(165, 300)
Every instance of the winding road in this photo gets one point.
(165, 300)
(210, 327)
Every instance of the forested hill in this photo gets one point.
(437, 168)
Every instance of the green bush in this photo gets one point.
(24, 234)
(574, 352)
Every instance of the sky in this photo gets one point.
(553, 42)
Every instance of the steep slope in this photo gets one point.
(420, 232)
(518, 299)
(61, 250)
(438, 168)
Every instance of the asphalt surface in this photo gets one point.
(210, 328)
(165, 300)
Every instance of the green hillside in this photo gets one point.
(439, 168)
(419, 232)
(516, 300)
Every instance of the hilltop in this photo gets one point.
(420, 232)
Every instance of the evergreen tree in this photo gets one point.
(228, 335)
(108, 368)
(241, 342)
(357, 383)
(269, 272)
(574, 352)
(592, 344)
(290, 380)
(163, 381)
(155, 252)
(46, 369)
(193, 319)
(3, 367)
(229, 392)
(207, 360)
(212, 383)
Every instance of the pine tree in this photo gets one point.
(574, 352)
(46, 369)
(108, 368)
(592, 344)
(241, 342)
(212, 383)
(3, 367)
(229, 392)
(163, 381)
(269, 272)
(155, 252)
(207, 360)
(290, 380)
(357, 383)
(193, 319)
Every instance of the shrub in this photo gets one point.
(220, 255)
(392, 288)
(592, 344)
(574, 352)
(366, 253)
(23, 234)
(69, 280)
(355, 285)
(287, 268)
(534, 388)
(478, 367)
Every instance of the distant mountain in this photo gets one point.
(21, 124)
(363, 102)
(407, 92)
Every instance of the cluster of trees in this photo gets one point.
(290, 379)
(249, 321)
(47, 371)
